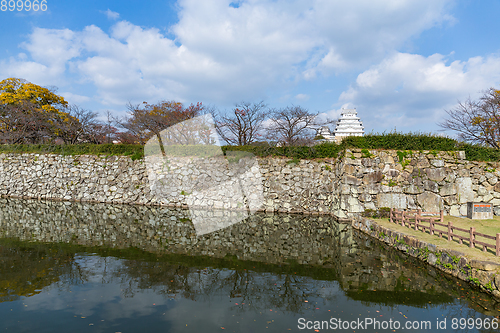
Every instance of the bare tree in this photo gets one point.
(127, 138)
(477, 121)
(110, 130)
(23, 123)
(79, 127)
(293, 125)
(244, 125)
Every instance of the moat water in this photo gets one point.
(72, 267)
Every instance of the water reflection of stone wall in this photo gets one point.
(262, 237)
(268, 238)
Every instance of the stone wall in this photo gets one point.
(74, 178)
(344, 187)
(408, 180)
(286, 187)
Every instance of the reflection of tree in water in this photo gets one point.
(257, 290)
(25, 270)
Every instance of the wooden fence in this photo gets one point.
(415, 219)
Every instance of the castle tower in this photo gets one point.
(349, 124)
(325, 132)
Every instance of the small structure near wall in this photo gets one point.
(479, 210)
(349, 124)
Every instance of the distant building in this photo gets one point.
(348, 124)
(325, 132)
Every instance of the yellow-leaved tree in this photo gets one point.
(30, 113)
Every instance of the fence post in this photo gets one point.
(431, 224)
(471, 236)
(403, 218)
(498, 245)
(390, 215)
(416, 221)
(449, 230)
(441, 216)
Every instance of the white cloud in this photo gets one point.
(222, 54)
(53, 47)
(74, 98)
(111, 14)
(327, 35)
(29, 70)
(412, 91)
(302, 97)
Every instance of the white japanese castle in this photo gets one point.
(349, 124)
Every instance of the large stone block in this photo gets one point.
(464, 189)
(367, 162)
(370, 205)
(392, 200)
(413, 189)
(373, 188)
(345, 189)
(437, 174)
(455, 210)
(411, 203)
(349, 169)
(351, 180)
(351, 161)
(451, 200)
(481, 190)
(430, 202)
(463, 210)
(437, 163)
(490, 175)
(354, 206)
(423, 162)
(450, 177)
(448, 189)
(365, 197)
(386, 158)
(430, 185)
(373, 177)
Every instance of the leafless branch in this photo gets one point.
(293, 125)
(477, 121)
(244, 125)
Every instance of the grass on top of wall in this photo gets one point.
(393, 141)
(134, 151)
(418, 142)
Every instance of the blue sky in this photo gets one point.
(401, 63)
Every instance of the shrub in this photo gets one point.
(134, 151)
(404, 143)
